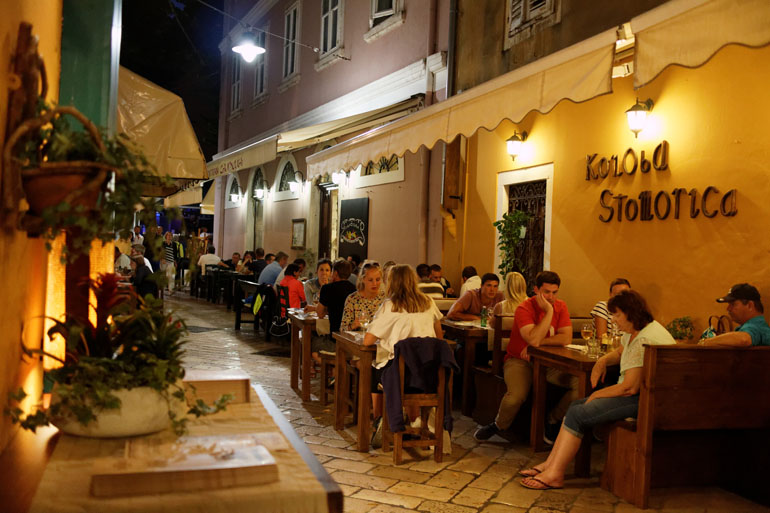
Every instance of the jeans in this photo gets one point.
(581, 416)
(518, 381)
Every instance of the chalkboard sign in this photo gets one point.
(354, 228)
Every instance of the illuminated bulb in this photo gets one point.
(247, 47)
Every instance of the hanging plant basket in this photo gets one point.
(77, 183)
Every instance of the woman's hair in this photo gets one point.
(515, 291)
(322, 262)
(403, 292)
(291, 270)
(138, 260)
(386, 267)
(631, 303)
(369, 265)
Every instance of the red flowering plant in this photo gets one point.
(133, 343)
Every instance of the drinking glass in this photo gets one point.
(587, 331)
(363, 320)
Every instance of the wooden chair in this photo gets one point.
(444, 304)
(490, 385)
(283, 301)
(425, 402)
(243, 290)
(327, 384)
(268, 310)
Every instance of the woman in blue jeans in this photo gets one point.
(632, 315)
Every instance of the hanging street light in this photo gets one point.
(247, 46)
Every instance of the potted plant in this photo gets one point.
(511, 228)
(681, 329)
(122, 375)
(67, 175)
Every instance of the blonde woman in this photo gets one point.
(515, 293)
(405, 313)
(362, 304)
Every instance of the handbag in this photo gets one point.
(717, 324)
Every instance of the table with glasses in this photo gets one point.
(469, 333)
(571, 361)
(303, 323)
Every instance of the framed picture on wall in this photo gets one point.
(297, 234)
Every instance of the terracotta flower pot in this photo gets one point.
(62, 181)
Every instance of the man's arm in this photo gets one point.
(320, 309)
(535, 333)
(562, 337)
(732, 339)
(457, 312)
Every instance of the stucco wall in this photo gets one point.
(714, 119)
(23, 259)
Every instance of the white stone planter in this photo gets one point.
(143, 410)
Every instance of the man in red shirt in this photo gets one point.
(541, 320)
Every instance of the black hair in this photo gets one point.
(547, 277)
(489, 277)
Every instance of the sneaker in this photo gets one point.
(550, 432)
(376, 442)
(486, 432)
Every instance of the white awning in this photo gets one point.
(156, 120)
(191, 196)
(689, 32)
(267, 149)
(578, 73)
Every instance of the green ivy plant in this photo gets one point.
(681, 328)
(511, 230)
(133, 343)
(59, 141)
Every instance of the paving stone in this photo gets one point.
(551, 499)
(351, 466)
(338, 453)
(428, 465)
(451, 479)
(336, 443)
(499, 508)
(363, 480)
(348, 490)
(443, 507)
(353, 505)
(596, 498)
(473, 497)
(624, 507)
(378, 457)
(423, 491)
(401, 474)
(388, 498)
(477, 460)
(513, 494)
(386, 508)
(491, 482)
(312, 439)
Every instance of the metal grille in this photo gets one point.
(529, 197)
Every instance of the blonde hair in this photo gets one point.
(403, 292)
(368, 266)
(515, 292)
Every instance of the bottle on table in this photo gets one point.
(484, 315)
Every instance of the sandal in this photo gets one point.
(530, 472)
(533, 483)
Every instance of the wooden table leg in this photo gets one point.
(295, 356)
(307, 362)
(583, 456)
(340, 388)
(364, 402)
(468, 359)
(538, 406)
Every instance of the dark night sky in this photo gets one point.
(174, 43)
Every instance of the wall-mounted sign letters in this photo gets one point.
(628, 165)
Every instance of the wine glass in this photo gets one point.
(363, 320)
(587, 331)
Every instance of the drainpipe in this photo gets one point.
(450, 79)
(430, 49)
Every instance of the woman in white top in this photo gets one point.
(405, 313)
(515, 292)
(632, 315)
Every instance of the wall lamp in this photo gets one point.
(296, 184)
(235, 198)
(513, 144)
(637, 115)
(247, 46)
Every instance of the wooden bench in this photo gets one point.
(700, 409)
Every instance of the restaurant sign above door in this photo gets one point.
(649, 205)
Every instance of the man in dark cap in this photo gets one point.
(744, 307)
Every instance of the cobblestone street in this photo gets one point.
(476, 477)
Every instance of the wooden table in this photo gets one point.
(349, 346)
(572, 362)
(469, 336)
(24, 486)
(300, 350)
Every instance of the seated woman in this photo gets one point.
(323, 275)
(600, 313)
(632, 315)
(405, 313)
(244, 265)
(515, 293)
(142, 279)
(296, 290)
(362, 304)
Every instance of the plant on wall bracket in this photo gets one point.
(511, 229)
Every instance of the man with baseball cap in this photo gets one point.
(744, 307)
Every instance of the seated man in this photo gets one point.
(470, 280)
(271, 272)
(429, 288)
(258, 263)
(541, 320)
(468, 307)
(332, 301)
(232, 263)
(744, 306)
(138, 249)
(437, 277)
(602, 319)
(210, 258)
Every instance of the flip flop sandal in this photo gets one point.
(530, 472)
(540, 486)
